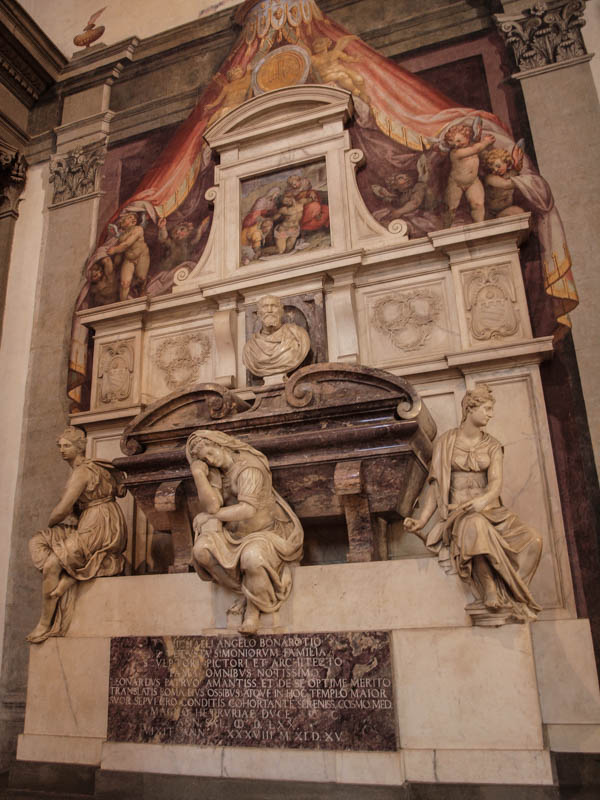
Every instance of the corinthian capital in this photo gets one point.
(13, 169)
(544, 35)
(77, 173)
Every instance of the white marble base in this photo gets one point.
(573, 738)
(566, 672)
(467, 688)
(256, 763)
(532, 767)
(60, 749)
(474, 705)
(411, 593)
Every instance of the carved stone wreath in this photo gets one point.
(175, 358)
(407, 318)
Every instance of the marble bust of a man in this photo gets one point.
(278, 347)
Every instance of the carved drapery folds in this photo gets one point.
(544, 36)
(76, 173)
(13, 170)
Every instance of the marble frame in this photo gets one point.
(303, 124)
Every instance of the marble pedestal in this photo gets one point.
(472, 705)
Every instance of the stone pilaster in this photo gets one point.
(72, 202)
(564, 114)
(13, 169)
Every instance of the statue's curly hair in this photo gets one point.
(476, 397)
(76, 436)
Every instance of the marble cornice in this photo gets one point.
(29, 61)
(25, 31)
(216, 28)
(425, 25)
(15, 131)
(104, 65)
(409, 31)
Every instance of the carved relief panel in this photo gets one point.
(177, 360)
(407, 319)
(407, 322)
(491, 305)
(115, 373)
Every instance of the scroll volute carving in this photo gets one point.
(205, 403)
(322, 385)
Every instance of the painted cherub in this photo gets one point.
(500, 167)
(465, 145)
(404, 191)
(328, 64)
(180, 242)
(104, 286)
(233, 92)
(131, 251)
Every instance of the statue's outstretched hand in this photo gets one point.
(413, 525)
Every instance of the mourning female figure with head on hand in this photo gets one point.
(85, 537)
(475, 535)
(246, 536)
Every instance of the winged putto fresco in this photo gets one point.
(427, 161)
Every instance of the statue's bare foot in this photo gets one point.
(38, 634)
(238, 607)
(61, 587)
(492, 601)
(251, 617)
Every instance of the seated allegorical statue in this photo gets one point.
(246, 536)
(70, 550)
(279, 346)
(476, 536)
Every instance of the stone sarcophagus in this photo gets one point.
(348, 447)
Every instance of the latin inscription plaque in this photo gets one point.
(327, 690)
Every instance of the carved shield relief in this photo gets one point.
(115, 373)
(491, 302)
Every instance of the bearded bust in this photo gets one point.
(278, 347)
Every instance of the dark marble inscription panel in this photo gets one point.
(328, 691)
